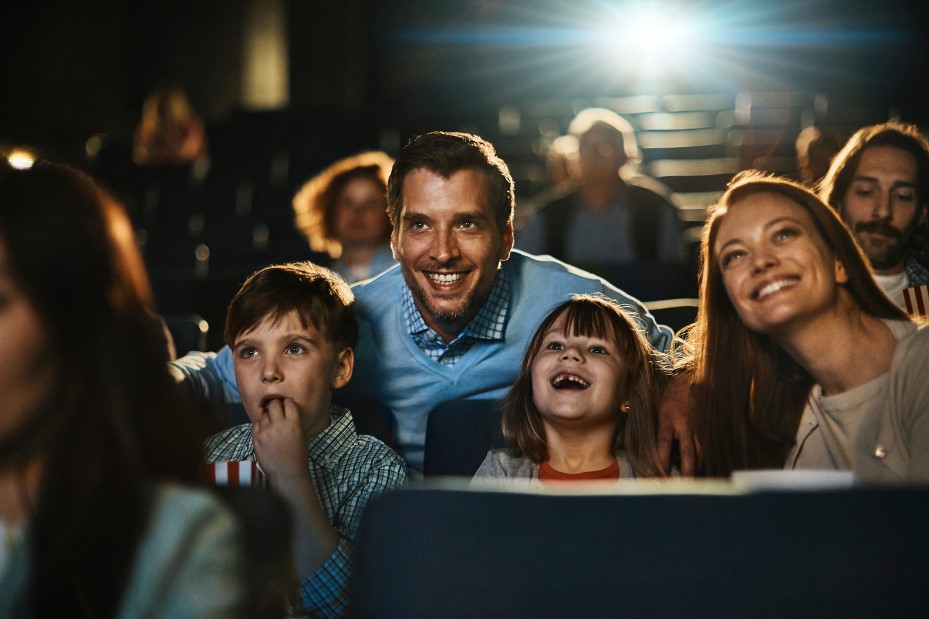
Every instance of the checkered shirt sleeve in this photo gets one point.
(367, 471)
(347, 469)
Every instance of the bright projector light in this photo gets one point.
(659, 34)
(650, 39)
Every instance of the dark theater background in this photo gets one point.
(287, 86)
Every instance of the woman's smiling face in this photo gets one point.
(775, 265)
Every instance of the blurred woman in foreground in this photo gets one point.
(95, 443)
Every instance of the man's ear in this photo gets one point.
(394, 245)
(921, 222)
(345, 364)
(508, 239)
(841, 275)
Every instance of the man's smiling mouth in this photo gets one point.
(445, 278)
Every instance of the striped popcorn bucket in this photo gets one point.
(917, 300)
(238, 473)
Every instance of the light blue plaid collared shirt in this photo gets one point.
(486, 325)
(347, 469)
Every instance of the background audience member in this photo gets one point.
(293, 329)
(560, 161)
(815, 148)
(170, 132)
(879, 183)
(583, 406)
(615, 215)
(800, 359)
(343, 211)
(452, 323)
(561, 178)
(95, 441)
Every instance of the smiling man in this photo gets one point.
(452, 321)
(879, 183)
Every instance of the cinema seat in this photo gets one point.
(451, 552)
(459, 435)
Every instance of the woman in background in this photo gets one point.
(801, 360)
(96, 446)
(170, 132)
(343, 212)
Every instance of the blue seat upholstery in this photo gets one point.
(458, 436)
(438, 552)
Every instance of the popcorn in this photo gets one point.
(917, 300)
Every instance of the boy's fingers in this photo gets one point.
(273, 411)
(289, 408)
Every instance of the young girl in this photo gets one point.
(583, 407)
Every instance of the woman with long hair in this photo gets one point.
(97, 447)
(800, 359)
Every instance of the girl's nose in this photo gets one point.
(571, 353)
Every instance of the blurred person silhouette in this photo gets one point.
(560, 161)
(170, 132)
(815, 147)
(98, 454)
(879, 184)
(560, 177)
(614, 215)
(343, 212)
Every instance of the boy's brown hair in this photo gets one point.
(320, 297)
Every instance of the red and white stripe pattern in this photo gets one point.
(917, 300)
(242, 473)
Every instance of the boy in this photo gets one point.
(292, 330)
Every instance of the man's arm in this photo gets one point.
(675, 421)
(207, 376)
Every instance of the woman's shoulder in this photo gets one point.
(912, 342)
(189, 558)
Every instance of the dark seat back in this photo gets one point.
(265, 521)
(850, 553)
(458, 436)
